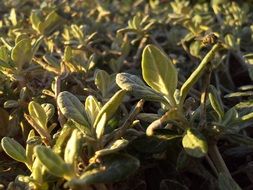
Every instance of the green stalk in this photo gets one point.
(218, 160)
(197, 73)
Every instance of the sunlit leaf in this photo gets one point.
(14, 149)
(111, 106)
(53, 162)
(38, 113)
(159, 72)
(72, 108)
(195, 143)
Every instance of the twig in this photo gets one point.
(129, 120)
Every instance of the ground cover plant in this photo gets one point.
(131, 95)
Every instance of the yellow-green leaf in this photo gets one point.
(159, 72)
(39, 115)
(14, 149)
(194, 143)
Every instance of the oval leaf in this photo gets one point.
(102, 81)
(194, 143)
(14, 149)
(53, 162)
(137, 87)
(38, 114)
(72, 148)
(72, 108)
(111, 168)
(158, 71)
(22, 52)
(92, 108)
(49, 110)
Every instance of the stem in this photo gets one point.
(197, 73)
(118, 134)
(139, 51)
(218, 160)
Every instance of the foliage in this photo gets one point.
(126, 94)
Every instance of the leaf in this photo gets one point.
(92, 108)
(100, 128)
(11, 104)
(13, 149)
(137, 87)
(22, 53)
(195, 143)
(226, 182)
(115, 147)
(35, 19)
(38, 114)
(51, 23)
(111, 168)
(216, 101)
(230, 116)
(111, 106)
(102, 81)
(29, 148)
(53, 162)
(72, 148)
(49, 110)
(67, 54)
(247, 117)
(63, 138)
(159, 72)
(4, 54)
(72, 108)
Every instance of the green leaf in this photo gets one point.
(113, 148)
(49, 110)
(72, 108)
(110, 107)
(11, 104)
(100, 128)
(52, 22)
(29, 148)
(247, 117)
(13, 149)
(195, 143)
(22, 53)
(230, 116)
(53, 162)
(38, 114)
(63, 138)
(137, 87)
(159, 72)
(67, 54)
(92, 108)
(226, 182)
(72, 148)
(111, 168)
(4, 54)
(102, 81)
(35, 19)
(216, 101)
